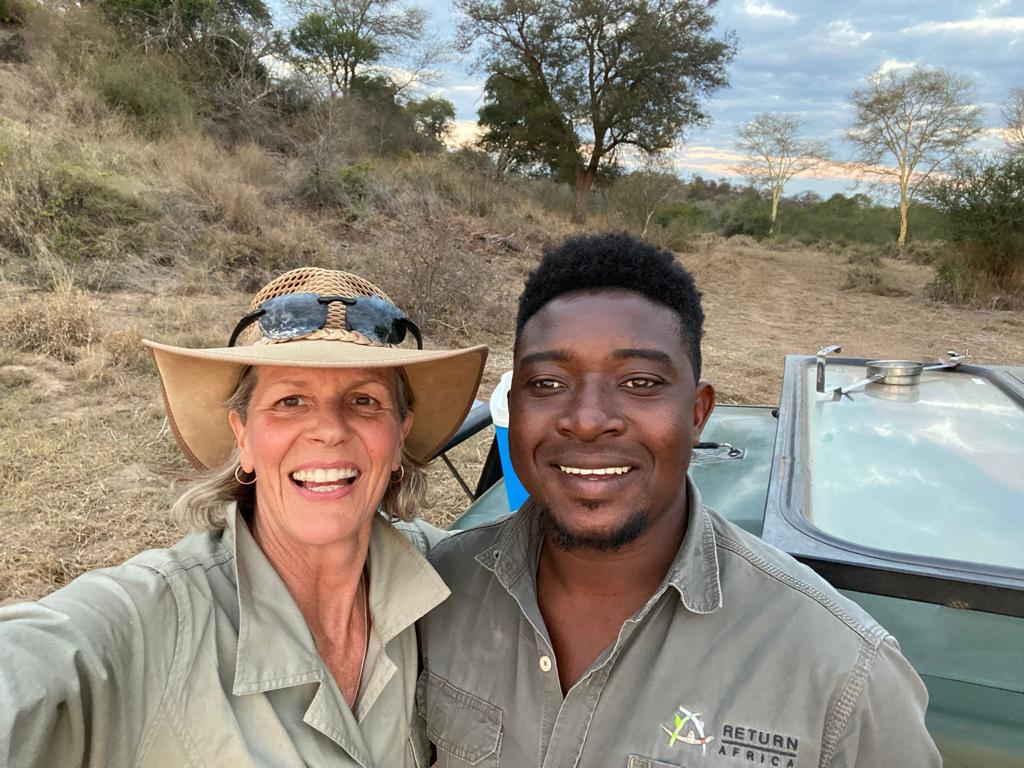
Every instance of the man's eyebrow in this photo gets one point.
(654, 355)
(555, 355)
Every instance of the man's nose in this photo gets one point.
(591, 413)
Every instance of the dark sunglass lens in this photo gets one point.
(294, 314)
(377, 319)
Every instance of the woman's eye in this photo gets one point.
(365, 401)
(292, 401)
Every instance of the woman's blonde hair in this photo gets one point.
(203, 503)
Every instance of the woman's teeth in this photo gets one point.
(323, 475)
(599, 471)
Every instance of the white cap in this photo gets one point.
(499, 401)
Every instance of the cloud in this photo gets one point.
(468, 88)
(764, 9)
(979, 25)
(892, 65)
(842, 32)
(463, 133)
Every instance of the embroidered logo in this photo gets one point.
(694, 735)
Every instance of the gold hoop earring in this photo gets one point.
(401, 477)
(239, 480)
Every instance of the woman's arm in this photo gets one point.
(83, 670)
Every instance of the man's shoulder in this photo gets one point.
(753, 573)
(458, 552)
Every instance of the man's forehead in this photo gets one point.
(610, 324)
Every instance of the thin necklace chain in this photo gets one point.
(366, 632)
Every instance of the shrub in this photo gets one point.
(91, 213)
(14, 11)
(985, 208)
(953, 282)
(58, 325)
(147, 90)
(869, 279)
(349, 187)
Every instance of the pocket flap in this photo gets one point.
(458, 722)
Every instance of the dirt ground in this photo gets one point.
(87, 466)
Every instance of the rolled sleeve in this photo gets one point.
(886, 726)
(82, 669)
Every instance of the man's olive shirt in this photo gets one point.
(197, 655)
(742, 657)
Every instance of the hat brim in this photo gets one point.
(198, 382)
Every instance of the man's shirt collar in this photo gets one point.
(694, 571)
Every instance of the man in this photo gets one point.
(615, 621)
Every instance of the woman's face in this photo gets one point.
(323, 444)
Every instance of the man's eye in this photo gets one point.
(546, 384)
(641, 382)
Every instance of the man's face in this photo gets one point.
(603, 414)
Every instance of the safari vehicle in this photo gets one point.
(903, 486)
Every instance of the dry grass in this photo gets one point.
(86, 461)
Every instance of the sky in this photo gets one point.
(805, 58)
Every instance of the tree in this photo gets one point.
(920, 120)
(639, 195)
(775, 155)
(433, 116)
(572, 81)
(1013, 113)
(985, 208)
(335, 40)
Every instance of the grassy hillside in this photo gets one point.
(113, 229)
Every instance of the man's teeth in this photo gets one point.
(323, 475)
(599, 471)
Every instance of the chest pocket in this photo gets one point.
(464, 727)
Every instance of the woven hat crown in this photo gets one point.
(324, 282)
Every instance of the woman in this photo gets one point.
(283, 635)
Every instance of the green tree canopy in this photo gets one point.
(571, 81)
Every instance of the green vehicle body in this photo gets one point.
(971, 657)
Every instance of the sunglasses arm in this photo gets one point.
(415, 331)
(244, 323)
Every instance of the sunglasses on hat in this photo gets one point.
(299, 314)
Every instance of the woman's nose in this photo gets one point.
(330, 426)
(590, 414)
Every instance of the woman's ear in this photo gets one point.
(240, 438)
(406, 429)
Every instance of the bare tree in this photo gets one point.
(637, 196)
(775, 154)
(1013, 113)
(918, 120)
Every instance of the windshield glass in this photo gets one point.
(934, 469)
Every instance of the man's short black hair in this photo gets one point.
(617, 260)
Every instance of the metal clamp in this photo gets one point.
(820, 366)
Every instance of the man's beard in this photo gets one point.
(630, 530)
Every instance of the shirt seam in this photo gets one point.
(439, 548)
(786, 579)
(172, 673)
(838, 720)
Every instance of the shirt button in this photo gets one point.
(545, 663)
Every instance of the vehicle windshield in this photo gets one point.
(933, 469)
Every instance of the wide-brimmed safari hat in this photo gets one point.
(315, 318)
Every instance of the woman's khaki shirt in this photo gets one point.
(197, 655)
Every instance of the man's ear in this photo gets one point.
(703, 405)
